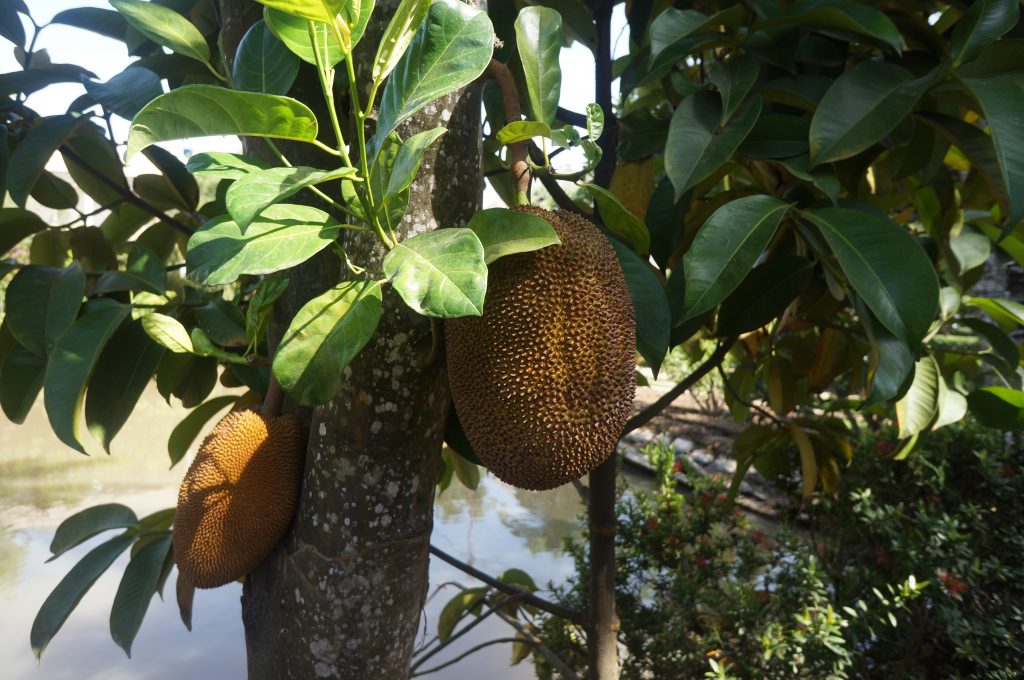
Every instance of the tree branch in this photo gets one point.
(648, 414)
(551, 184)
(520, 169)
(465, 629)
(462, 656)
(527, 597)
(126, 193)
(556, 661)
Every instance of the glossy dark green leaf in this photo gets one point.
(440, 273)
(982, 24)
(71, 365)
(221, 165)
(105, 22)
(726, 248)
(451, 49)
(85, 524)
(539, 39)
(10, 25)
(505, 232)
(21, 379)
(89, 245)
(223, 322)
(26, 301)
(123, 371)
(165, 27)
(69, 592)
(650, 306)
(17, 224)
(261, 304)
(734, 81)
(126, 93)
(839, 18)
(764, 294)
(801, 92)
(674, 30)
(65, 302)
(776, 135)
(105, 172)
(190, 378)
(618, 218)
(1001, 100)
(179, 179)
(408, 160)
(886, 266)
(208, 110)
(185, 432)
(283, 236)
(30, 156)
(698, 144)
(137, 587)
(1004, 350)
(264, 63)
(998, 407)
(863, 105)
(252, 193)
(293, 32)
(35, 79)
(325, 335)
(143, 272)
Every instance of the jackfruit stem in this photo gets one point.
(273, 399)
(520, 169)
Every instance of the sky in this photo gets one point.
(106, 58)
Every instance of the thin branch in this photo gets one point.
(520, 169)
(571, 117)
(582, 490)
(551, 184)
(750, 405)
(125, 192)
(465, 629)
(527, 597)
(649, 413)
(462, 656)
(556, 661)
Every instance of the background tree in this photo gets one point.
(806, 184)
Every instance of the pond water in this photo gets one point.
(42, 482)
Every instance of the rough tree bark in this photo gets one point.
(341, 596)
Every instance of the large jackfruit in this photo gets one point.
(238, 497)
(543, 382)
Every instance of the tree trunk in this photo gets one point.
(341, 596)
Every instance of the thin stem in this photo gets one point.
(648, 414)
(465, 629)
(325, 85)
(214, 71)
(366, 195)
(273, 399)
(527, 597)
(750, 405)
(316, 190)
(556, 661)
(462, 656)
(519, 169)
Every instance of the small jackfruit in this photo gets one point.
(544, 381)
(238, 497)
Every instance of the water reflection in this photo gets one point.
(42, 482)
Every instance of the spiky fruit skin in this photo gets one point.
(238, 497)
(544, 381)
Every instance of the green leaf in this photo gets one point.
(69, 592)
(1004, 350)
(71, 365)
(840, 19)
(124, 370)
(263, 63)
(104, 22)
(254, 192)
(208, 110)
(890, 361)
(440, 273)
(618, 218)
(886, 266)
(326, 334)
(522, 130)
(998, 407)
(27, 298)
(650, 306)
(726, 248)
(952, 406)
(34, 79)
(764, 294)
(455, 609)
(223, 322)
(504, 232)
(185, 432)
(1001, 101)
(167, 332)
(293, 31)
(10, 24)
(1007, 313)
(467, 472)
(314, 10)
(65, 302)
(698, 144)
(984, 23)
(30, 156)
(261, 304)
(408, 160)
(126, 93)
(222, 165)
(283, 236)
(674, 31)
(165, 27)
(734, 81)
(137, 587)
(539, 39)
(85, 524)
(863, 105)
(595, 121)
(401, 29)
(17, 224)
(450, 50)
(920, 405)
(21, 379)
(143, 272)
